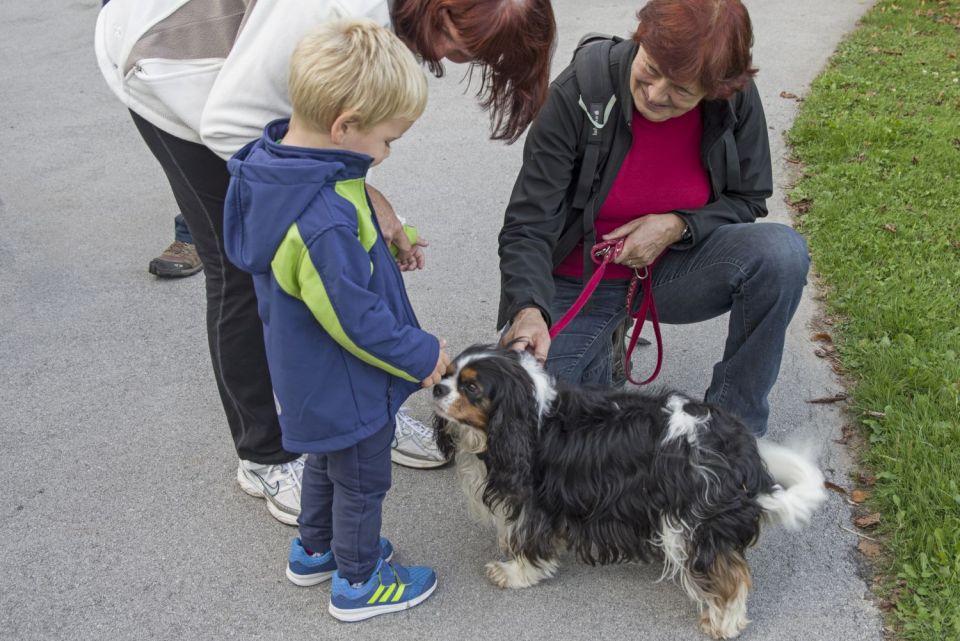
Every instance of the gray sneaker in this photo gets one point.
(414, 445)
(278, 484)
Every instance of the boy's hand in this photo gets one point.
(443, 362)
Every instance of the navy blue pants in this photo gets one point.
(341, 503)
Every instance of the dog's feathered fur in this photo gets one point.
(615, 475)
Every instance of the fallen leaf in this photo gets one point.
(859, 496)
(868, 521)
(873, 414)
(822, 337)
(868, 479)
(789, 96)
(890, 227)
(833, 487)
(887, 605)
(801, 206)
(870, 549)
(915, 160)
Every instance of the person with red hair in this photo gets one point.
(201, 79)
(687, 173)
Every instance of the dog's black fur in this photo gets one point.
(598, 471)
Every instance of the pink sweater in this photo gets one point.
(661, 172)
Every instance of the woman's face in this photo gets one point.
(657, 97)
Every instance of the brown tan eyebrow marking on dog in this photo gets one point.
(462, 410)
(468, 375)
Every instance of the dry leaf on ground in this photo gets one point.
(868, 521)
(870, 549)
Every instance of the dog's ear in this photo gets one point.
(443, 438)
(511, 442)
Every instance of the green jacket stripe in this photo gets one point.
(297, 276)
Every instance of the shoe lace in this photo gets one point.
(290, 474)
(177, 248)
(410, 424)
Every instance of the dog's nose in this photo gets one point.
(440, 390)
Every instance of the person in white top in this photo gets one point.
(201, 78)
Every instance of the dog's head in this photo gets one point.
(490, 402)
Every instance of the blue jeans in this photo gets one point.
(180, 230)
(341, 503)
(754, 271)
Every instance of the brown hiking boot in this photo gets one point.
(178, 260)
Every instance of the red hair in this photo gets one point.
(512, 43)
(703, 41)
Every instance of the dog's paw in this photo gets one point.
(499, 574)
(519, 573)
(722, 629)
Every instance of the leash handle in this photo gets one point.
(603, 254)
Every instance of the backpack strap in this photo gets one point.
(597, 99)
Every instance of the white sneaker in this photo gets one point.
(414, 445)
(278, 484)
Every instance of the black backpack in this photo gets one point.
(591, 61)
(598, 100)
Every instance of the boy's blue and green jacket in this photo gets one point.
(344, 347)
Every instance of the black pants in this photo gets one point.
(199, 181)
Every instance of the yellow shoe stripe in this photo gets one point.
(396, 597)
(386, 595)
(376, 595)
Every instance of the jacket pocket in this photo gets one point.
(176, 90)
(370, 386)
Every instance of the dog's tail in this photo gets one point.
(801, 488)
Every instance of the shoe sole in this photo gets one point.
(307, 580)
(361, 614)
(406, 460)
(276, 512)
(162, 270)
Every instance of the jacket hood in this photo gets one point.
(271, 185)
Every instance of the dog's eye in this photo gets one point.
(471, 389)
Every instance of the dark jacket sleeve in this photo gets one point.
(535, 216)
(746, 176)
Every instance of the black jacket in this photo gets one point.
(734, 150)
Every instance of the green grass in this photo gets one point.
(879, 140)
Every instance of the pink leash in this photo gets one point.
(603, 254)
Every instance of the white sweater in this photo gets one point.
(222, 98)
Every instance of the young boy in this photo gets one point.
(343, 344)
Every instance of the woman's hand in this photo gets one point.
(410, 257)
(646, 238)
(529, 332)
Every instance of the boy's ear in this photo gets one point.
(345, 123)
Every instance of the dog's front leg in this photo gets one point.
(520, 572)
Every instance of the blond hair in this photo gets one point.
(355, 64)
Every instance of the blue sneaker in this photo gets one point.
(390, 588)
(304, 569)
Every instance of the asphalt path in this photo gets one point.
(121, 517)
